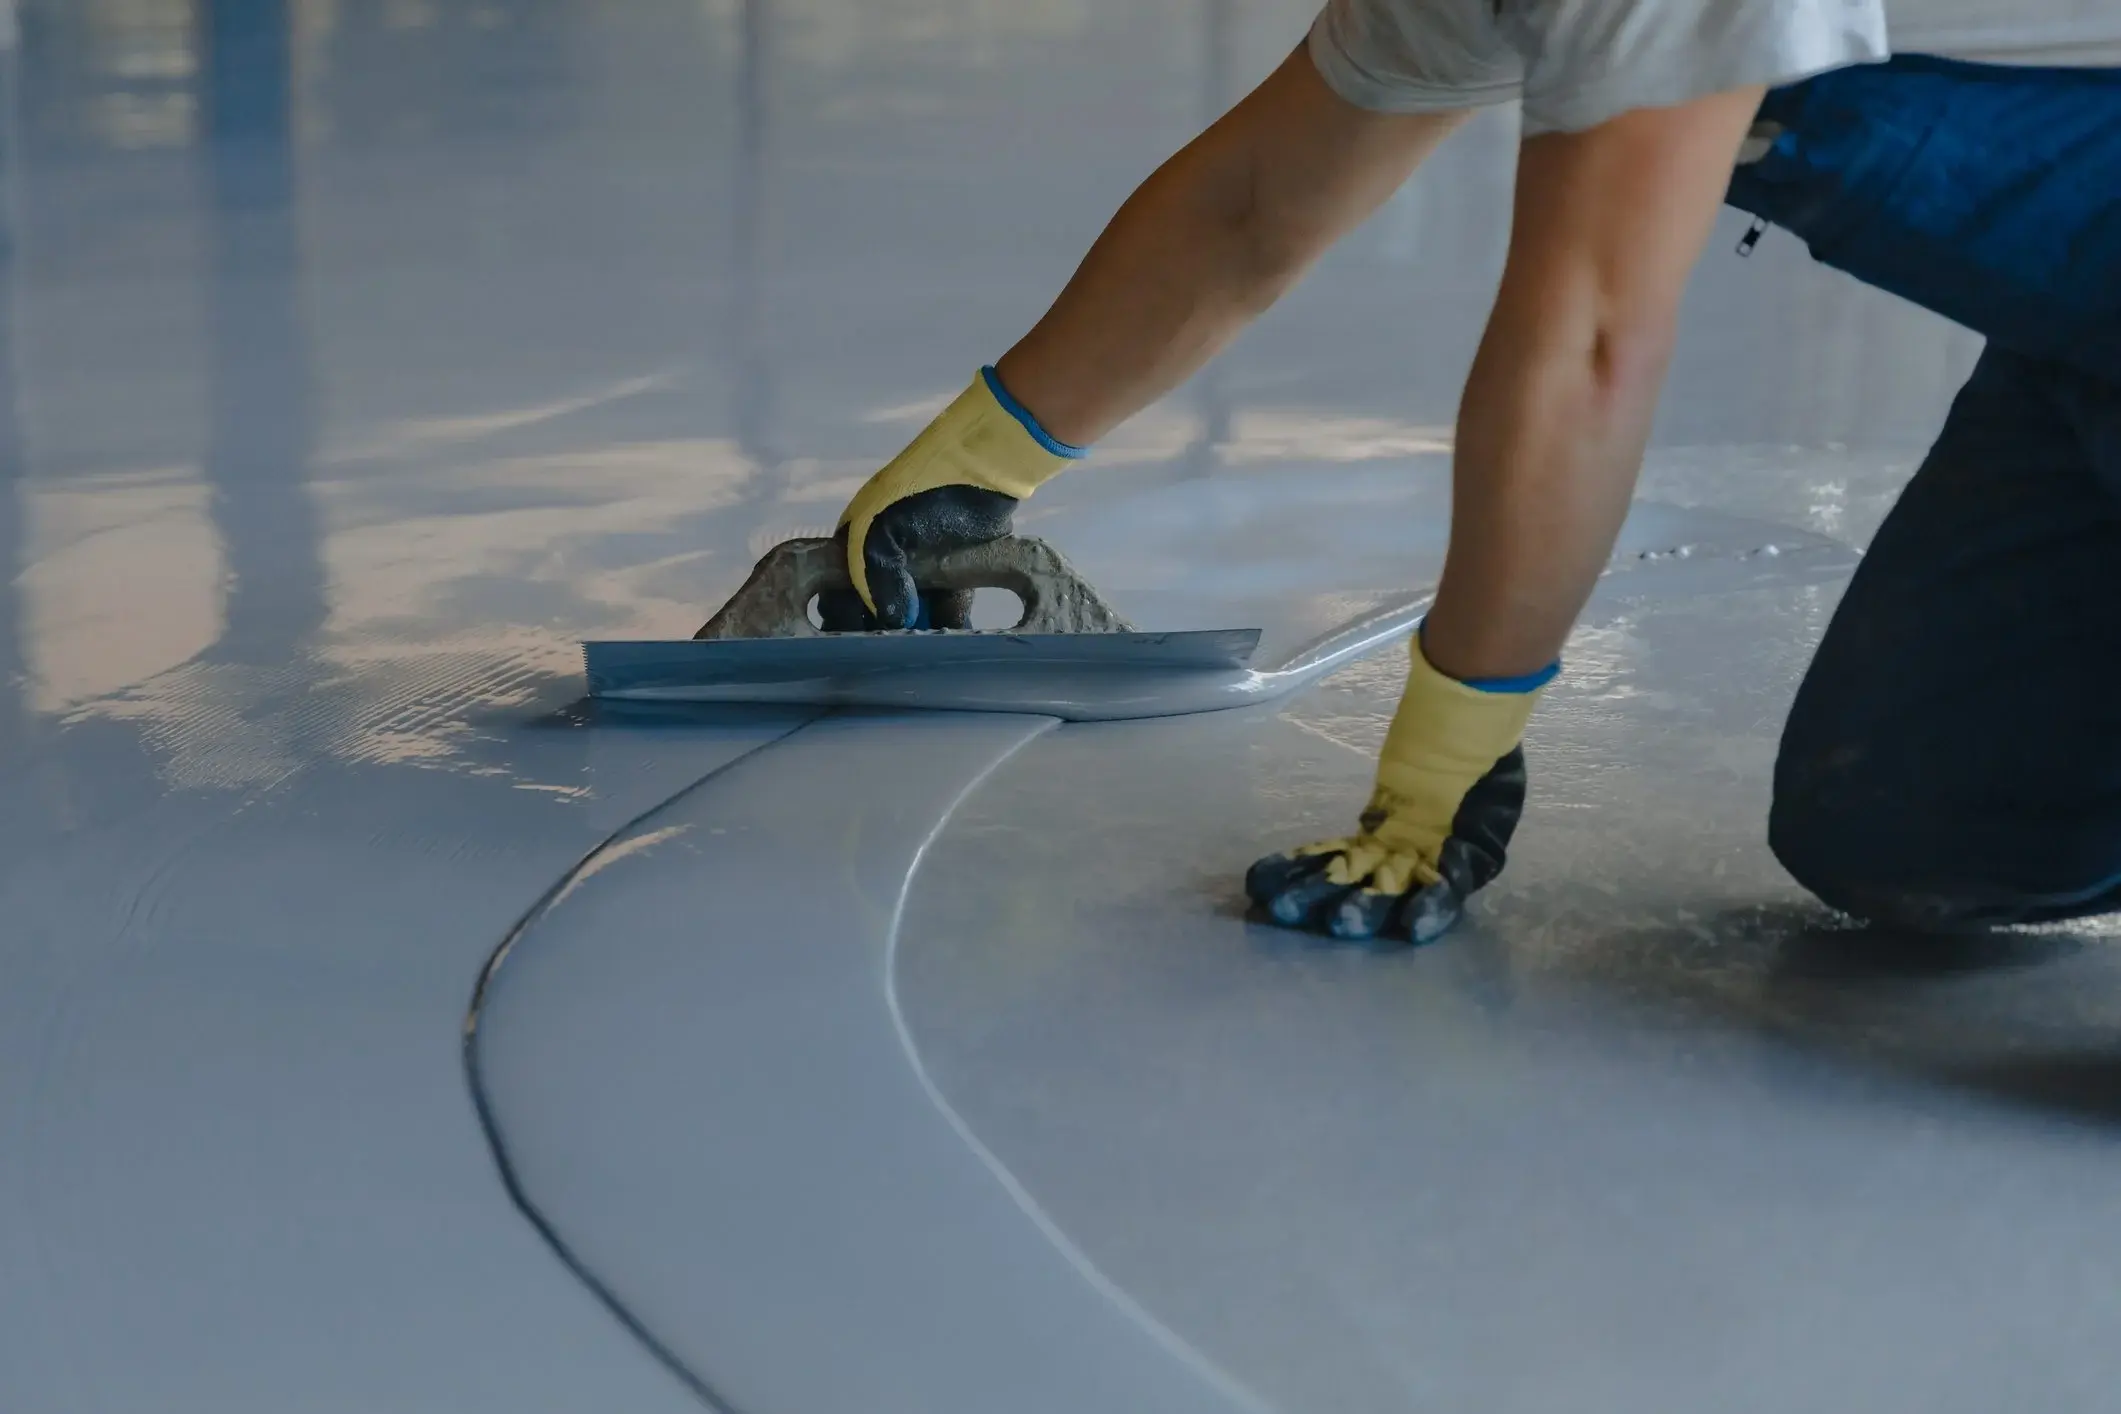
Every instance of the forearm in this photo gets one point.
(1550, 440)
(1551, 431)
(1209, 241)
(1178, 272)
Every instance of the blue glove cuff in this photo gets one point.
(1023, 415)
(1530, 682)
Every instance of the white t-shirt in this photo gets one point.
(1576, 63)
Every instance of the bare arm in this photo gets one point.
(1207, 243)
(1609, 224)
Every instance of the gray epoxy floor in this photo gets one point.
(356, 361)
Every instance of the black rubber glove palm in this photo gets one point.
(1293, 890)
(956, 484)
(943, 518)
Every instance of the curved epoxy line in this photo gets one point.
(616, 844)
(919, 1248)
(1053, 1232)
(1100, 697)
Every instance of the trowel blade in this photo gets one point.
(835, 668)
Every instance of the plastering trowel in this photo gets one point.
(764, 647)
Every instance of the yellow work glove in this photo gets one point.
(1450, 789)
(956, 485)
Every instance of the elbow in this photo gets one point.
(1273, 249)
(1628, 356)
(1210, 203)
(1269, 239)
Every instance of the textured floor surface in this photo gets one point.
(356, 361)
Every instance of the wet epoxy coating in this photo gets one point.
(358, 361)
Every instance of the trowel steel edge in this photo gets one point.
(763, 647)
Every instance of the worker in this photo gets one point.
(1635, 112)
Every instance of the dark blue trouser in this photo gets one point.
(1954, 755)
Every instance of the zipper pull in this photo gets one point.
(1751, 238)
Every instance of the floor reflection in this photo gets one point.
(262, 405)
(14, 668)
